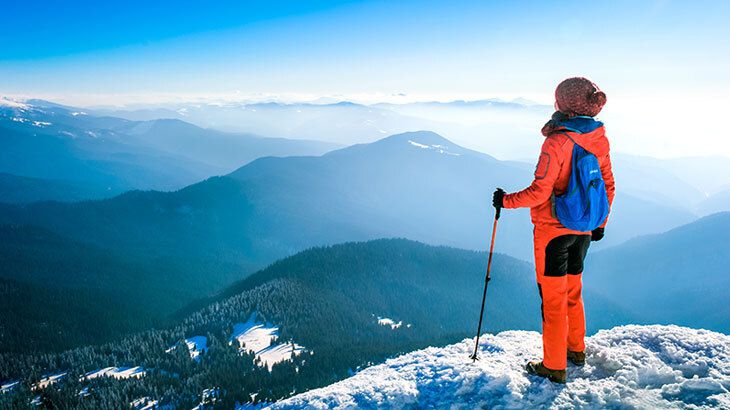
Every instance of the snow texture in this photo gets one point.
(143, 403)
(6, 102)
(386, 321)
(644, 367)
(115, 372)
(48, 380)
(196, 346)
(441, 149)
(258, 338)
(8, 386)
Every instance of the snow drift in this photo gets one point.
(627, 367)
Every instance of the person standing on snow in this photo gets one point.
(559, 251)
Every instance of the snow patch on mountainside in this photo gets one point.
(627, 367)
(441, 149)
(8, 386)
(6, 102)
(386, 321)
(258, 338)
(196, 345)
(143, 403)
(116, 373)
(48, 380)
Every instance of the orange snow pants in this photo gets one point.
(559, 265)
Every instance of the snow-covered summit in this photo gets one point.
(11, 103)
(627, 367)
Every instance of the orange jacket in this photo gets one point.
(553, 172)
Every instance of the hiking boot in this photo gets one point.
(538, 369)
(577, 358)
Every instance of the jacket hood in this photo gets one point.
(585, 131)
(580, 124)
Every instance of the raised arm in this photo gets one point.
(546, 172)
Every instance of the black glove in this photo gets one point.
(597, 234)
(498, 198)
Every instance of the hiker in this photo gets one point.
(559, 250)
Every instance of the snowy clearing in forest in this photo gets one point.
(143, 403)
(258, 338)
(48, 380)
(386, 321)
(196, 345)
(115, 372)
(627, 367)
(7, 386)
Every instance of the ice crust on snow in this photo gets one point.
(644, 367)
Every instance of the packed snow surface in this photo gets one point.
(645, 367)
(258, 338)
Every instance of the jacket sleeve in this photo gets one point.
(546, 173)
(607, 173)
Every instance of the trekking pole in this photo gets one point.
(486, 283)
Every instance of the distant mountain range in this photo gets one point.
(699, 185)
(678, 277)
(483, 125)
(191, 243)
(167, 248)
(49, 146)
(415, 185)
(717, 202)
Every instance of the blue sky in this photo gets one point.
(357, 47)
(654, 56)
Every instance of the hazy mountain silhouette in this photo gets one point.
(678, 277)
(415, 185)
(104, 156)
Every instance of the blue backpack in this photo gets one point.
(584, 206)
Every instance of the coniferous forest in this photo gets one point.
(327, 300)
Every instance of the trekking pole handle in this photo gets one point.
(499, 212)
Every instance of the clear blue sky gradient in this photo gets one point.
(665, 59)
(330, 46)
